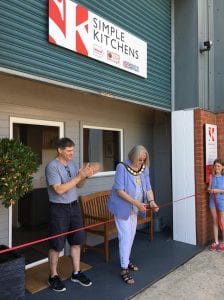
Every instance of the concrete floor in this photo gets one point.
(201, 278)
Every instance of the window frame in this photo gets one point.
(120, 130)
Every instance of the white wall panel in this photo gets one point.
(183, 176)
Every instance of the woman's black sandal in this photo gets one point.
(125, 275)
(132, 267)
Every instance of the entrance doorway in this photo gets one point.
(29, 216)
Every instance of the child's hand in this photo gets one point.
(213, 191)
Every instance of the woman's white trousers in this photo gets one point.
(126, 234)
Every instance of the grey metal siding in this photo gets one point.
(24, 47)
(186, 58)
(219, 54)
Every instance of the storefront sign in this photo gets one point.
(74, 27)
(210, 148)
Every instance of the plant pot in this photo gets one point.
(12, 278)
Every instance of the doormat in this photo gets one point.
(37, 277)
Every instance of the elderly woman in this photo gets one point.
(130, 194)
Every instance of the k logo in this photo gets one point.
(68, 25)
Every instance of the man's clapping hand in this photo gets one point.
(89, 170)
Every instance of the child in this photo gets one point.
(216, 190)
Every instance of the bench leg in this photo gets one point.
(106, 249)
(84, 247)
(151, 230)
(106, 243)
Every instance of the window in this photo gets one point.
(103, 145)
(37, 137)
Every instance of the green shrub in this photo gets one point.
(17, 164)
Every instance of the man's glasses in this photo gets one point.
(68, 171)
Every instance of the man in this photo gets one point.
(64, 213)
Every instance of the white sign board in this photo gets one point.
(74, 27)
(210, 148)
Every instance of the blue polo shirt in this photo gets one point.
(56, 173)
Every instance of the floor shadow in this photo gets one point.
(26, 234)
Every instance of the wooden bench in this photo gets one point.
(95, 211)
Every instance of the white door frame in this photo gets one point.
(18, 120)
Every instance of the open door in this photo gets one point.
(29, 216)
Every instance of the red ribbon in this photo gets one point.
(83, 228)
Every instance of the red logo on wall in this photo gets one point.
(68, 32)
(211, 134)
(81, 21)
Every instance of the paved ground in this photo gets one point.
(201, 278)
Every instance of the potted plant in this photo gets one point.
(18, 163)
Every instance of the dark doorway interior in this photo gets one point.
(30, 215)
(26, 234)
(33, 224)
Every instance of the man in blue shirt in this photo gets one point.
(65, 215)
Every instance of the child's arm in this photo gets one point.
(211, 190)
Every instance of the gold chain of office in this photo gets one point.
(133, 172)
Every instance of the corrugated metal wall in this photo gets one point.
(218, 40)
(24, 47)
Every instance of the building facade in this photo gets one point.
(49, 90)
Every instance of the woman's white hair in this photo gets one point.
(136, 152)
